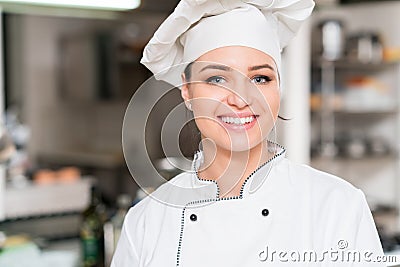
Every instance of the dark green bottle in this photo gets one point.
(91, 232)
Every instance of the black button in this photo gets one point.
(193, 217)
(265, 212)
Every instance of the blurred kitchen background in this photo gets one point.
(67, 76)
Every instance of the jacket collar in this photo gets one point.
(252, 183)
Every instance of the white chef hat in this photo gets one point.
(199, 26)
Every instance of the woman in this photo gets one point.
(244, 204)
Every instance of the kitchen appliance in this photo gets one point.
(329, 40)
(364, 47)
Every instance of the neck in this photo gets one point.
(231, 168)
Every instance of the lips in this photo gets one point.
(238, 122)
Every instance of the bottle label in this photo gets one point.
(90, 250)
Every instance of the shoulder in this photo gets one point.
(136, 214)
(329, 196)
(307, 175)
(164, 196)
(319, 183)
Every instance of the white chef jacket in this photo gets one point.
(287, 214)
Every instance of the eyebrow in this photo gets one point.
(258, 67)
(226, 68)
(216, 67)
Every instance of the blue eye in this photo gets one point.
(261, 79)
(215, 80)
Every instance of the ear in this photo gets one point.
(185, 89)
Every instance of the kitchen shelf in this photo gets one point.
(332, 110)
(366, 112)
(355, 108)
(351, 65)
(339, 159)
(39, 200)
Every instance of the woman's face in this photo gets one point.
(234, 94)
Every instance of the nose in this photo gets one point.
(240, 96)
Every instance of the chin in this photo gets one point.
(239, 144)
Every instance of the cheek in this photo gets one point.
(271, 102)
(275, 105)
(204, 119)
(205, 104)
(205, 100)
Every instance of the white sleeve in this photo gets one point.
(125, 254)
(367, 239)
(130, 243)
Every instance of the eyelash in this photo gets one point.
(212, 80)
(265, 78)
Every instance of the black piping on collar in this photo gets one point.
(178, 255)
(248, 177)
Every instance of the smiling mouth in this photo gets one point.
(236, 121)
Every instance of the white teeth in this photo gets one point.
(237, 121)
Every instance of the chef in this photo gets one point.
(243, 203)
